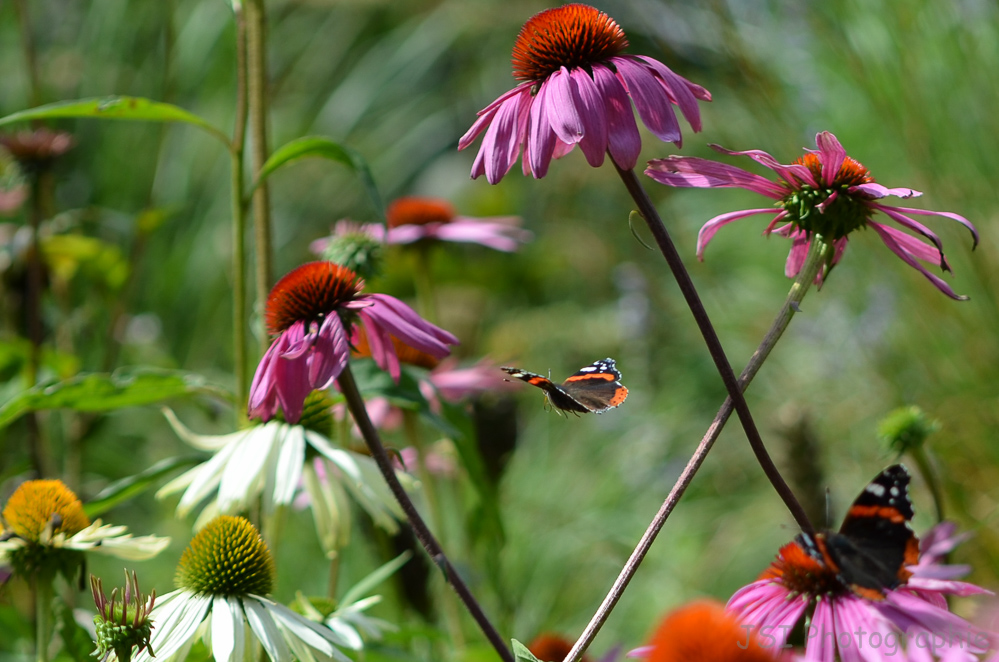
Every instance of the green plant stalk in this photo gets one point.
(451, 615)
(818, 255)
(926, 469)
(30, 56)
(423, 279)
(240, 357)
(256, 72)
(33, 311)
(355, 404)
(44, 594)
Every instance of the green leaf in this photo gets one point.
(68, 254)
(358, 590)
(521, 652)
(132, 486)
(322, 147)
(116, 108)
(104, 392)
(76, 641)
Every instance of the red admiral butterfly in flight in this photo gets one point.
(595, 388)
(874, 545)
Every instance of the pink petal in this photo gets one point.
(541, 137)
(694, 172)
(588, 101)
(380, 343)
(832, 155)
(793, 174)
(487, 113)
(502, 142)
(624, 141)
(905, 221)
(562, 111)
(914, 247)
(797, 255)
(654, 106)
(678, 87)
(875, 190)
(946, 214)
(330, 354)
(709, 229)
(493, 235)
(819, 643)
(901, 252)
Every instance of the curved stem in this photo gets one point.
(256, 67)
(926, 469)
(355, 404)
(818, 255)
(648, 211)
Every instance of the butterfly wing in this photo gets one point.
(556, 395)
(597, 387)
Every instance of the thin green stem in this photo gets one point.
(423, 279)
(44, 594)
(926, 469)
(256, 68)
(668, 249)
(240, 357)
(818, 256)
(30, 56)
(355, 404)
(33, 311)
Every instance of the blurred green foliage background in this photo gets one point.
(907, 86)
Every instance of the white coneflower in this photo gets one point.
(222, 579)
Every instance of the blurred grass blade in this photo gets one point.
(132, 486)
(358, 590)
(521, 652)
(104, 392)
(116, 108)
(322, 147)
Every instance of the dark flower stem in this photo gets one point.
(355, 403)
(817, 257)
(658, 229)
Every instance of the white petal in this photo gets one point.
(207, 480)
(176, 622)
(346, 635)
(223, 630)
(266, 630)
(289, 465)
(132, 549)
(207, 442)
(243, 474)
(316, 636)
(326, 512)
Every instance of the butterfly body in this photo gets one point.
(595, 388)
(872, 548)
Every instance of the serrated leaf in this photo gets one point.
(116, 108)
(325, 148)
(521, 652)
(103, 392)
(132, 486)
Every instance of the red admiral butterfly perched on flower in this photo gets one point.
(595, 388)
(874, 545)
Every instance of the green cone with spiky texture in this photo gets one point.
(227, 557)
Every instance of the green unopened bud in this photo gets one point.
(122, 621)
(906, 429)
(352, 247)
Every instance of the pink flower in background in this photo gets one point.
(308, 310)
(914, 616)
(415, 219)
(825, 192)
(578, 89)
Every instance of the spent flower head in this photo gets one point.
(578, 88)
(46, 531)
(35, 151)
(222, 580)
(122, 621)
(312, 312)
(824, 193)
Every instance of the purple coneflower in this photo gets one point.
(824, 192)
(414, 219)
(312, 310)
(576, 88)
(857, 628)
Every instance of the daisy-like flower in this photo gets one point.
(46, 531)
(415, 219)
(860, 628)
(703, 631)
(578, 89)
(222, 580)
(824, 192)
(270, 461)
(312, 311)
(122, 625)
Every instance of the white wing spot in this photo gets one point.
(876, 490)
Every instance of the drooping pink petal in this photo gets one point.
(793, 174)
(908, 259)
(279, 380)
(678, 87)
(380, 343)
(403, 323)
(875, 190)
(330, 354)
(562, 112)
(497, 236)
(820, 636)
(694, 172)
(586, 97)
(926, 212)
(541, 137)
(907, 222)
(623, 139)
(654, 106)
(914, 247)
(831, 154)
(797, 255)
(486, 114)
(709, 229)
(502, 141)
